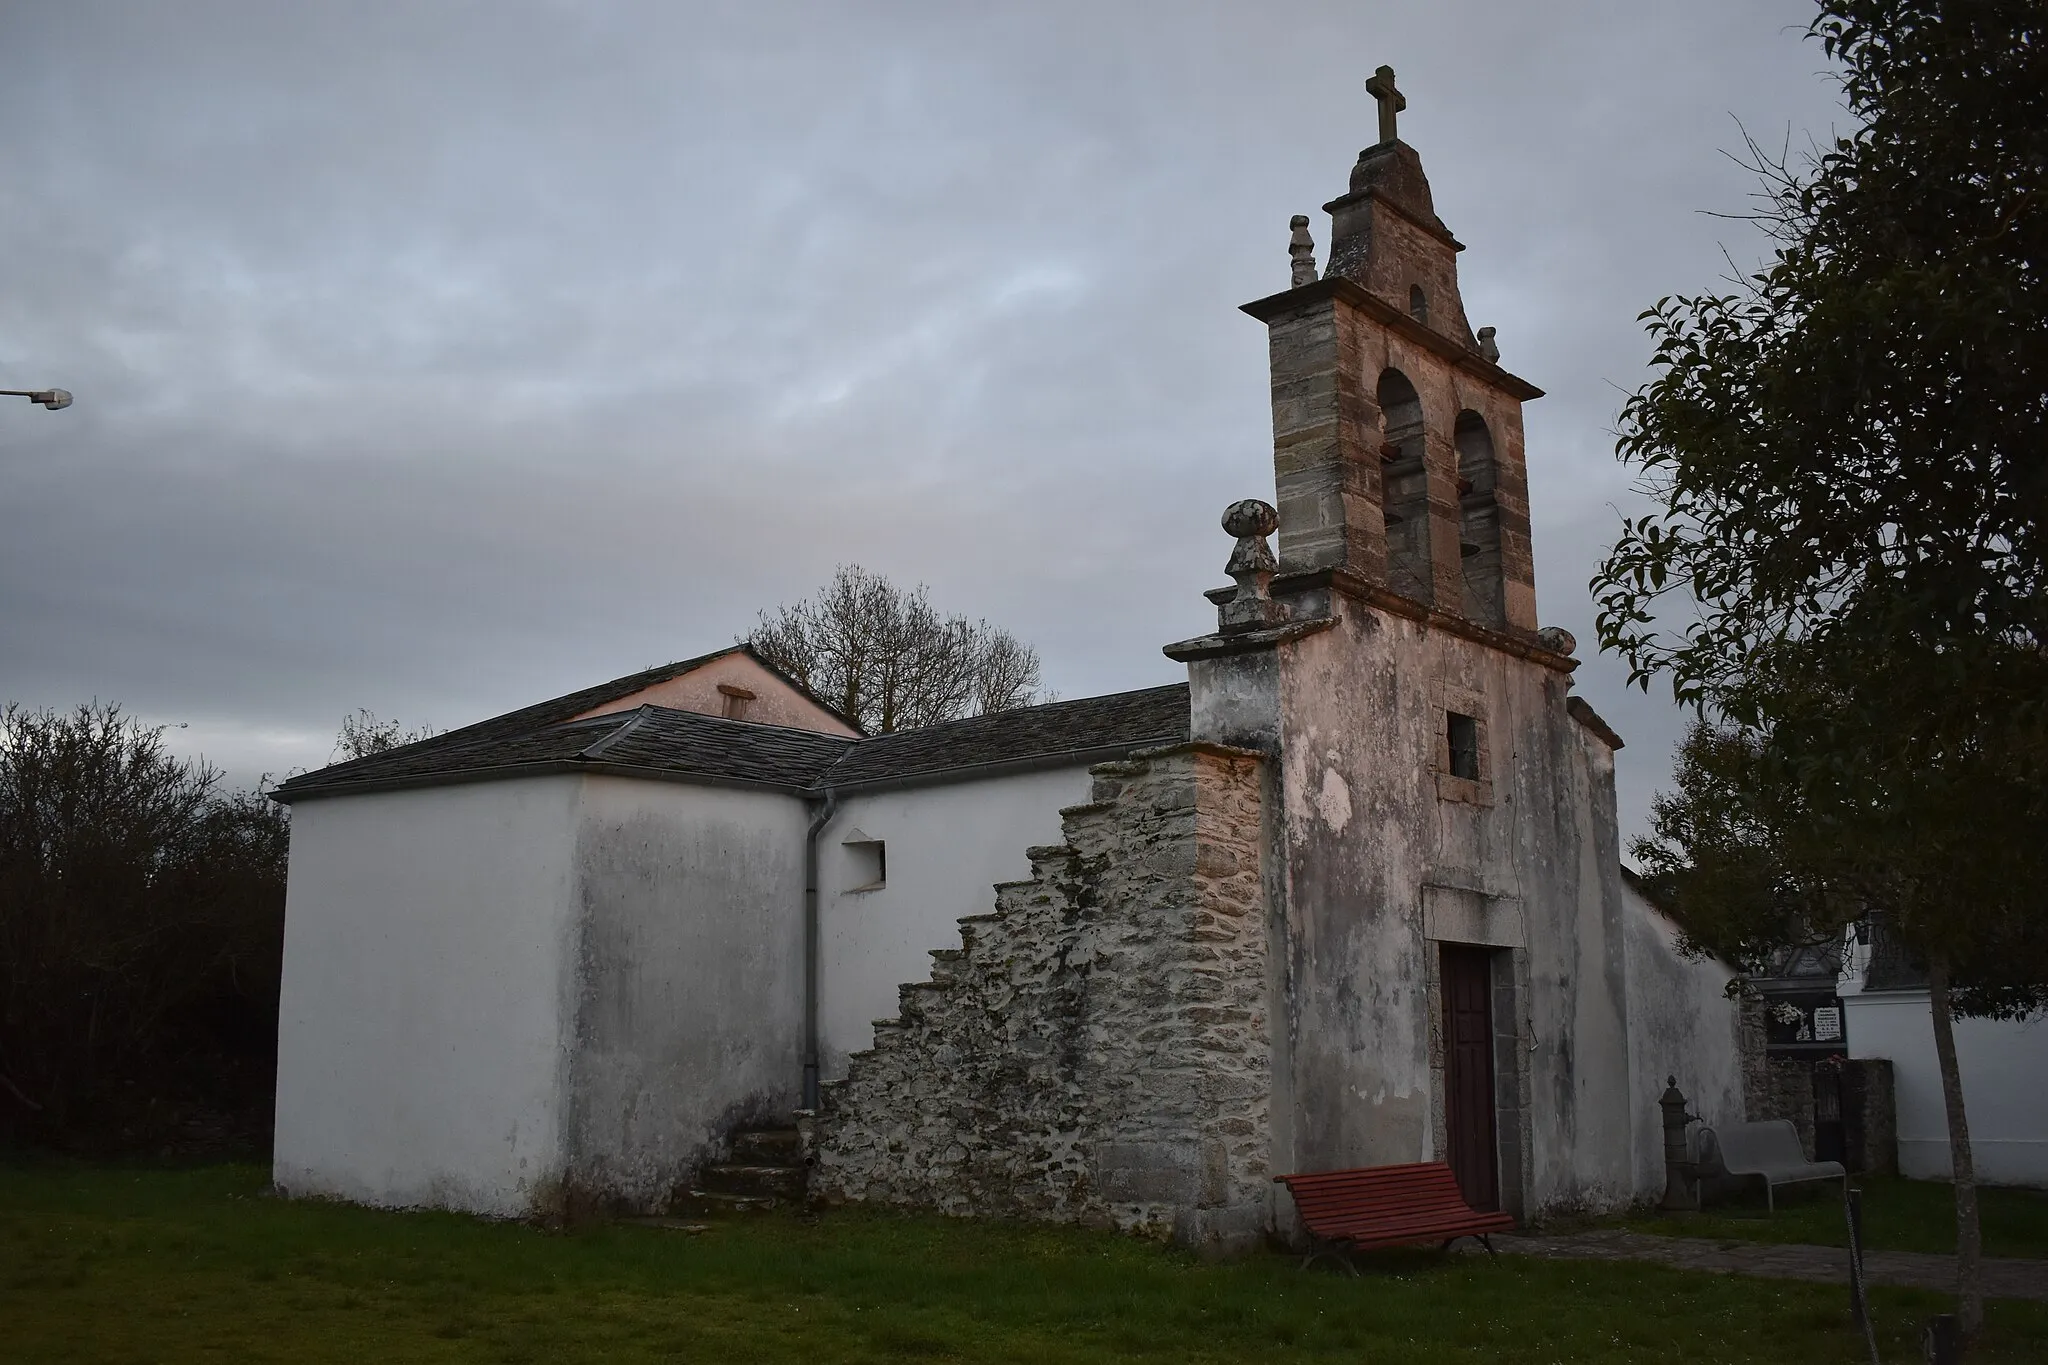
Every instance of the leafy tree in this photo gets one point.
(887, 659)
(1850, 461)
(141, 929)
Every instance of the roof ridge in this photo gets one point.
(747, 726)
(989, 716)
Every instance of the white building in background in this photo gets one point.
(2004, 1064)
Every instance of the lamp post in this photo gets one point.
(52, 399)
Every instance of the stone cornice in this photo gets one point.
(1204, 748)
(1220, 646)
(1386, 599)
(1335, 287)
(1582, 711)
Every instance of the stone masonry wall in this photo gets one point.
(1870, 1118)
(1096, 1050)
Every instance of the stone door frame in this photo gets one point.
(1511, 1078)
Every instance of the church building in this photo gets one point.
(1350, 895)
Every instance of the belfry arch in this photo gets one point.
(1479, 521)
(1405, 485)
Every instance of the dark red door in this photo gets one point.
(1468, 1072)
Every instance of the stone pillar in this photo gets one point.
(1326, 427)
(1788, 1094)
(1511, 505)
(1446, 585)
(1755, 1077)
(1870, 1125)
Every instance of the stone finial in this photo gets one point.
(1558, 640)
(1251, 564)
(1301, 248)
(1488, 347)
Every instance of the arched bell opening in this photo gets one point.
(1405, 485)
(1479, 522)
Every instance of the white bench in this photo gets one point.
(1769, 1150)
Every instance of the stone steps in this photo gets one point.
(768, 1147)
(766, 1171)
(700, 1202)
(770, 1182)
(1085, 829)
(1094, 1049)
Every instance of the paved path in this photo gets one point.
(2004, 1277)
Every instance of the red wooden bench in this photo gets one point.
(1384, 1206)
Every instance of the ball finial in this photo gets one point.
(1250, 517)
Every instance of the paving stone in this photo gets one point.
(2004, 1277)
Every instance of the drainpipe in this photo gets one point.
(826, 807)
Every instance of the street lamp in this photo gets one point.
(52, 399)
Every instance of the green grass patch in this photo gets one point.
(126, 1264)
(1898, 1215)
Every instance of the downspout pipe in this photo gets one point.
(824, 807)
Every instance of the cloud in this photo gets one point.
(434, 358)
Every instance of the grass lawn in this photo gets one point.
(132, 1264)
(1898, 1215)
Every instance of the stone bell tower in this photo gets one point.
(1442, 858)
(1397, 436)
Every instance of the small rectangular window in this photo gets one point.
(870, 863)
(736, 699)
(1462, 734)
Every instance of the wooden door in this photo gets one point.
(1468, 1073)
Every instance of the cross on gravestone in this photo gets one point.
(1391, 101)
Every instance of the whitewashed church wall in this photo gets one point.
(1387, 858)
(425, 991)
(2004, 1069)
(1680, 1023)
(688, 1017)
(1581, 1112)
(947, 847)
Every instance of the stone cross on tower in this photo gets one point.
(1391, 101)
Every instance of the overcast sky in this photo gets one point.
(438, 358)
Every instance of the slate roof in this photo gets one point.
(1121, 720)
(683, 743)
(661, 742)
(516, 732)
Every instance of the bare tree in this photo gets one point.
(1005, 671)
(886, 658)
(362, 734)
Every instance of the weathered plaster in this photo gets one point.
(500, 993)
(689, 970)
(1530, 867)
